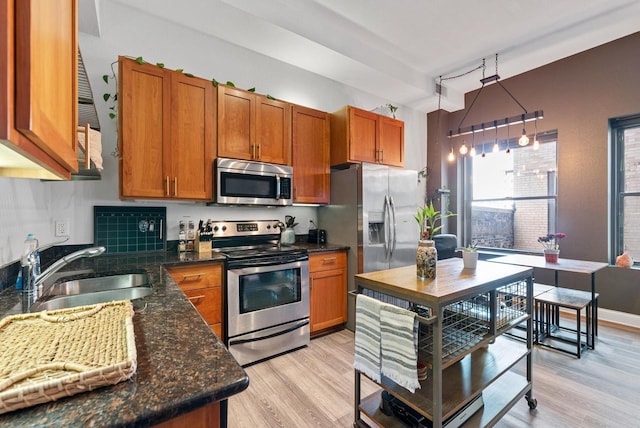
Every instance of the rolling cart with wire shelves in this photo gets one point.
(463, 316)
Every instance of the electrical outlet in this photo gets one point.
(62, 228)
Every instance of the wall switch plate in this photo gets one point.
(62, 228)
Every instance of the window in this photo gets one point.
(510, 198)
(625, 181)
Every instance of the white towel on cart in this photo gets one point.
(399, 346)
(367, 337)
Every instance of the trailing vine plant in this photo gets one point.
(112, 97)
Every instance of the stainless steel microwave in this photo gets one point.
(240, 182)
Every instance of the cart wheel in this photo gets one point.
(532, 402)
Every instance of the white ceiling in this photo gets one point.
(399, 49)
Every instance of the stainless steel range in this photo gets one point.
(267, 290)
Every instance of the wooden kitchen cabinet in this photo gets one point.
(328, 283)
(362, 136)
(311, 145)
(166, 133)
(202, 284)
(253, 127)
(38, 88)
(203, 417)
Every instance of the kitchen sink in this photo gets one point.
(73, 300)
(88, 291)
(101, 283)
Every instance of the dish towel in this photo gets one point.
(399, 346)
(367, 337)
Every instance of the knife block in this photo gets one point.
(202, 246)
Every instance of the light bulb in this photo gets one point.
(463, 149)
(536, 144)
(451, 156)
(524, 140)
(472, 152)
(496, 147)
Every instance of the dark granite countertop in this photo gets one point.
(316, 248)
(182, 365)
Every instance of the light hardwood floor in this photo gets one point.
(314, 387)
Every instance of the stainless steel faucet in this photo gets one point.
(32, 279)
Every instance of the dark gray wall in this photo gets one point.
(578, 95)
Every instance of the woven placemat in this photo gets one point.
(52, 354)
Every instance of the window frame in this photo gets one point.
(617, 128)
(467, 191)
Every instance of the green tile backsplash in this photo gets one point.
(130, 229)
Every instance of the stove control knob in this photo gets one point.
(215, 228)
(224, 228)
(268, 226)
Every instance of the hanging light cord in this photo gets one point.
(484, 80)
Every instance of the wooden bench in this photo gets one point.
(546, 319)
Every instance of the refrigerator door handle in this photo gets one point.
(394, 226)
(386, 220)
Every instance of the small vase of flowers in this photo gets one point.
(551, 244)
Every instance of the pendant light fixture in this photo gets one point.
(508, 142)
(483, 140)
(524, 139)
(526, 116)
(536, 143)
(463, 148)
(496, 146)
(472, 152)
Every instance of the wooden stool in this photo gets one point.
(546, 305)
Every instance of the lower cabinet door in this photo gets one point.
(328, 299)
(208, 302)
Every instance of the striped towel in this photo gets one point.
(367, 337)
(399, 346)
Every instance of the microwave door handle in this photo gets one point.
(278, 190)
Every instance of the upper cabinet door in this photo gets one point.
(144, 130)
(46, 74)
(311, 144)
(166, 133)
(192, 137)
(363, 135)
(253, 127)
(236, 123)
(273, 131)
(391, 144)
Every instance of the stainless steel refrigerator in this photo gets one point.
(372, 212)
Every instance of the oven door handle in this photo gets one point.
(269, 336)
(258, 262)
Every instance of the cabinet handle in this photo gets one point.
(202, 296)
(161, 232)
(192, 276)
(175, 186)
(330, 259)
(259, 151)
(381, 156)
(167, 185)
(253, 151)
